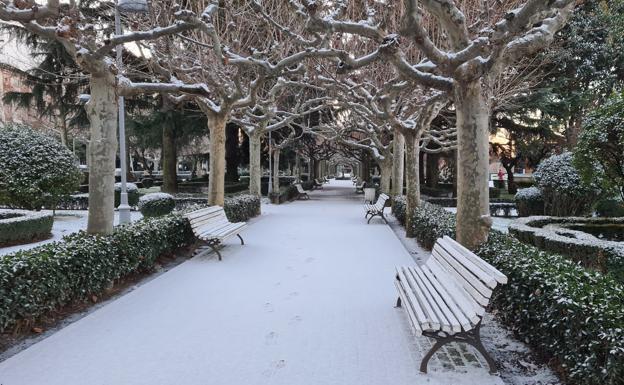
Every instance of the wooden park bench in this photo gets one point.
(359, 189)
(318, 183)
(301, 192)
(445, 299)
(211, 226)
(377, 209)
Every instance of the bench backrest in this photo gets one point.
(209, 217)
(473, 279)
(300, 189)
(362, 185)
(381, 201)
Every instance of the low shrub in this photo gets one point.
(21, 226)
(529, 201)
(44, 278)
(241, 208)
(495, 192)
(610, 208)
(133, 194)
(399, 207)
(430, 222)
(564, 192)
(573, 317)
(156, 204)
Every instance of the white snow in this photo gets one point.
(308, 300)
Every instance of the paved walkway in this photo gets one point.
(308, 300)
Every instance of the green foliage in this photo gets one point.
(610, 208)
(599, 154)
(563, 191)
(47, 277)
(241, 208)
(20, 226)
(156, 204)
(571, 316)
(133, 194)
(529, 201)
(36, 169)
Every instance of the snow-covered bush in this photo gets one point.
(430, 222)
(241, 208)
(22, 226)
(133, 194)
(399, 205)
(564, 192)
(529, 201)
(47, 277)
(610, 208)
(35, 169)
(156, 204)
(572, 316)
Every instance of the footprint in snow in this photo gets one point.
(295, 319)
(268, 307)
(309, 260)
(271, 338)
(274, 367)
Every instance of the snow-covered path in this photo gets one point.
(308, 300)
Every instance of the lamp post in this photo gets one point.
(128, 6)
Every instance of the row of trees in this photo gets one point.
(369, 75)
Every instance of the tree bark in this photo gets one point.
(398, 163)
(386, 174)
(103, 116)
(255, 164)
(412, 166)
(170, 156)
(473, 220)
(276, 160)
(231, 152)
(216, 180)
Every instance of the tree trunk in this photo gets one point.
(103, 116)
(398, 163)
(255, 163)
(64, 131)
(232, 158)
(216, 180)
(386, 174)
(473, 220)
(412, 166)
(276, 160)
(169, 156)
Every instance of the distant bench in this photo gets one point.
(445, 299)
(212, 226)
(377, 209)
(301, 193)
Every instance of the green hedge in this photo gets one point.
(241, 208)
(156, 204)
(529, 202)
(428, 220)
(572, 316)
(36, 281)
(22, 226)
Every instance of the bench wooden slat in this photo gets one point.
(202, 212)
(457, 259)
(474, 293)
(494, 272)
(463, 276)
(415, 303)
(223, 231)
(410, 312)
(448, 321)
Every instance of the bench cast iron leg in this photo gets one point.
(398, 303)
(241, 238)
(477, 344)
(430, 353)
(216, 250)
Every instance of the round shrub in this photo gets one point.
(133, 194)
(529, 201)
(610, 208)
(156, 204)
(36, 169)
(22, 226)
(564, 192)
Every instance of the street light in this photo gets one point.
(127, 6)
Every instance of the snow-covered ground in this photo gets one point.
(65, 223)
(308, 300)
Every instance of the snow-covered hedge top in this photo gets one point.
(529, 194)
(155, 197)
(14, 216)
(130, 187)
(557, 173)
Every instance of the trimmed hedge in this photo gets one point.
(36, 281)
(529, 202)
(241, 208)
(571, 316)
(156, 204)
(602, 255)
(428, 220)
(22, 226)
(610, 208)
